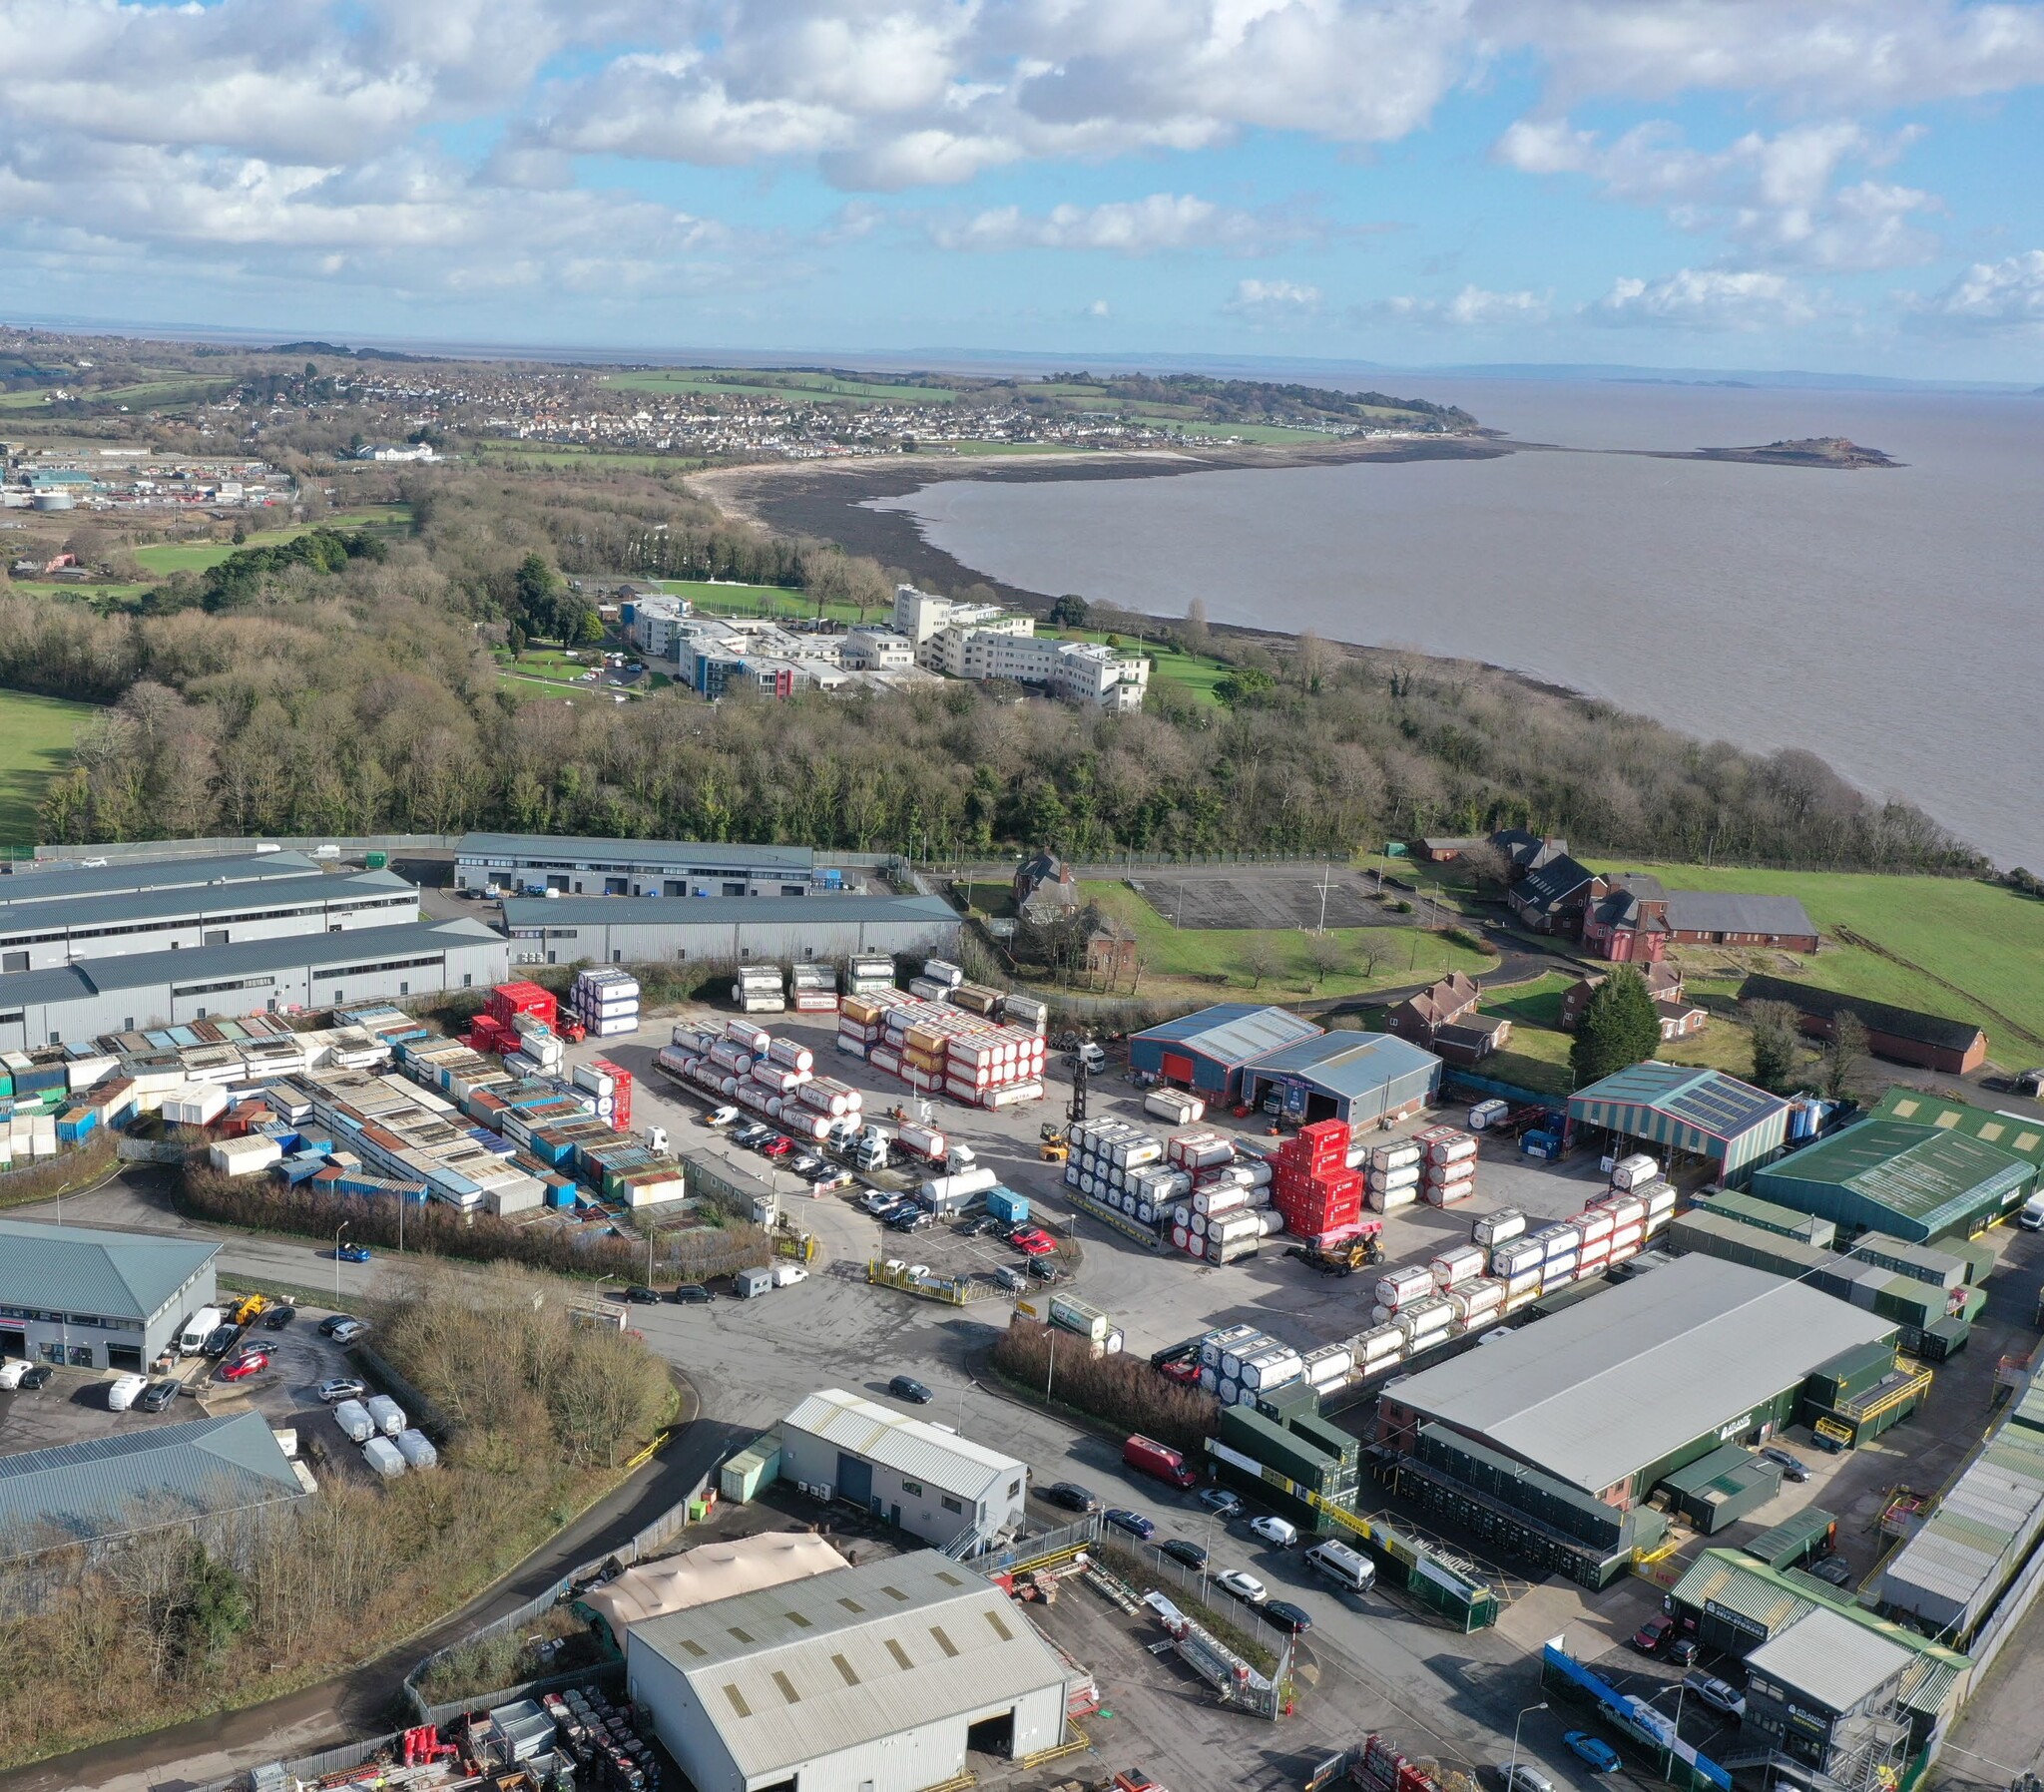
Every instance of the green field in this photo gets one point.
(91, 593)
(35, 745)
(567, 456)
(736, 382)
(720, 599)
(166, 558)
(1213, 963)
(25, 401)
(1970, 949)
(966, 446)
(1268, 434)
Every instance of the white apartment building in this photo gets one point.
(976, 640)
(920, 615)
(656, 625)
(873, 647)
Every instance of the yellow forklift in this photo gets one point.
(1055, 1146)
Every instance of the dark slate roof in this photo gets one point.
(127, 1275)
(1878, 1016)
(109, 1485)
(189, 901)
(1729, 911)
(64, 880)
(671, 854)
(1527, 850)
(1552, 882)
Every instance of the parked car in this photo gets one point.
(341, 1387)
(1683, 1651)
(1834, 1570)
(750, 1134)
(719, 1116)
(1649, 1637)
(906, 1386)
(1517, 1776)
(830, 1177)
(12, 1369)
(806, 1165)
(1134, 1523)
(157, 1396)
(1593, 1751)
(221, 1340)
(691, 1294)
(348, 1330)
(278, 1317)
(353, 1253)
(1245, 1587)
(1011, 1278)
(245, 1365)
(642, 1296)
(36, 1376)
(1287, 1616)
(1791, 1466)
(1045, 1270)
(912, 1218)
(1179, 1549)
(879, 1200)
(775, 1144)
(122, 1394)
(1280, 1533)
(1719, 1695)
(1070, 1494)
(1221, 1503)
(333, 1323)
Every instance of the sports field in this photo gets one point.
(35, 745)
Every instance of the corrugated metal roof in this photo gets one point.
(1731, 911)
(313, 887)
(680, 911)
(64, 883)
(570, 847)
(1717, 1106)
(1829, 1658)
(1348, 1065)
(73, 1269)
(1915, 1170)
(1234, 1033)
(1595, 1393)
(1928, 1686)
(1715, 1581)
(2015, 1132)
(795, 1673)
(912, 1446)
(1880, 1016)
(114, 1484)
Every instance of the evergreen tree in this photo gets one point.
(1774, 1044)
(1619, 1027)
(1846, 1055)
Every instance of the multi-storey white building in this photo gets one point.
(976, 640)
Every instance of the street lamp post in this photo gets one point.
(337, 1230)
(1511, 1772)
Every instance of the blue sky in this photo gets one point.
(1838, 184)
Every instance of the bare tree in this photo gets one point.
(1260, 960)
(1323, 952)
(1193, 636)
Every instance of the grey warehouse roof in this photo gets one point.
(111, 1484)
(1833, 1659)
(1349, 1064)
(1728, 911)
(127, 1275)
(912, 1446)
(1234, 1032)
(684, 911)
(797, 1672)
(303, 890)
(1596, 1391)
(556, 847)
(64, 881)
(152, 970)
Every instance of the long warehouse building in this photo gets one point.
(725, 929)
(122, 994)
(89, 1299)
(576, 865)
(66, 880)
(36, 935)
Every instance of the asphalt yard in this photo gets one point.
(1263, 899)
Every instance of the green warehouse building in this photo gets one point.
(1909, 1181)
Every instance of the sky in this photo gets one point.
(1846, 186)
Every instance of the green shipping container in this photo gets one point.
(1276, 1448)
(1325, 1435)
(377, 861)
(755, 1467)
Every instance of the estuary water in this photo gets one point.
(1887, 619)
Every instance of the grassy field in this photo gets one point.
(1272, 434)
(738, 381)
(1212, 963)
(25, 401)
(35, 745)
(1949, 945)
(570, 456)
(94, 594)
(166, 558)
(990, 449)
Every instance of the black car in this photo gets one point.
(157, 1396)
(1683, 1651)
(1833, 1570)
(276, 1318)
(910, 1220)
(331, 1324)
(1179, 1549)
(691, 1294)
(906, 1386)
(1793, 1467)
(1045, 1270)
(37, 1376)
(1070, 1494)
(221, 1340)
(642, 1297)
(1285, 1616)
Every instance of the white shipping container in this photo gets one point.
(1638, 1167)
(1394, 1156)
(1456, 1265)
(1500, 1228)
(1379, 1343)
(1396, 1287)
(1451, 1150)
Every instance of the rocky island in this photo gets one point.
(1809, 451)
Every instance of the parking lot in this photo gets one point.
(1265, 898)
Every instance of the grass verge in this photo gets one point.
(36, 733)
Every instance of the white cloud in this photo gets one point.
(1776, 199)
(1145, 227)
(1990, 297)
(1471, 308)
(1273, 301)
(1098, 308)
(1707, 299)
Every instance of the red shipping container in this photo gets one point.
(509, 999)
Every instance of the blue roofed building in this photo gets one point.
(1207, 1052)
(112, 1487)
(1678, 1110)
(92, 1299)
(1361, 1077)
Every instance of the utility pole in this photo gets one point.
(1325, 884)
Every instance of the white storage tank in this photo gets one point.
(1639, 1168)
(1500, 1228)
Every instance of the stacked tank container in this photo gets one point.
(606, 1001)
(1500, 1228)
(1390, 1173)
(609, 1086)
(868, 972)
(1518, 1265)
(759, 990)
(1448, 1170)
(812, 989)
(771, 1077)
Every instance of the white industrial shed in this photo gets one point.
(578, 865)
(875, 1679)
(920, 1476)
(725, 929)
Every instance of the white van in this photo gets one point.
(1348, 1570)
(200, 1326)
(12, 1370)
(121, 1395)
(2031, 1219)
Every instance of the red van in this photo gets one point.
(1159, 1460)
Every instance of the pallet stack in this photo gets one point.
(1315, 1192)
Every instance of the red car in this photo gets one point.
(777, 1147)
(245, 1365)
(1649, 1637)
(1035, 1245)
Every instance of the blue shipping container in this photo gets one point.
(1006, 1206)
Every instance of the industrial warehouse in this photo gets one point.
(94, 1299)
(1703, 1115)
(1913, 1183)
(577, 866)
(1552, 1437)
(727, 929)
(64, 881)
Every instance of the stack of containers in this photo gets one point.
(1561, 1252)
(1026, 1012)
(610, 1084)
(860, 1017)
(1594, 1255)
(1216, 1349)
(1476, 1301)
(1153, 1190)
(976, 998)
(1378, 1348)
(1518, 1263)
(814, 989)
(1319, 1197)
(538, 1046)
(994, 1066)
(606, 1001)
(1501, 1227)
(937, 981)
(1174, 1107)
(1448, 1174)
(868, 972)
(1329, 1367)
(510, 1000)
(1261, 1371)
(1399, 1289)
(1102, 1154)
(1425, 1322)
(759, 990)
(1391, 1175)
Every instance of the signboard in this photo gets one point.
(1738, 1620)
